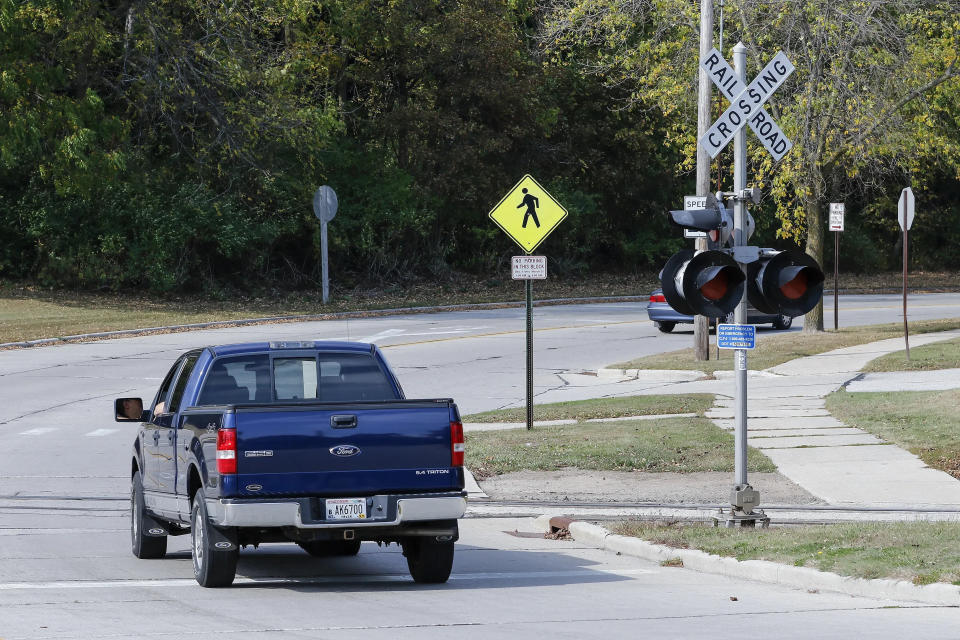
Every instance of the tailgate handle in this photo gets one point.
(343, 422)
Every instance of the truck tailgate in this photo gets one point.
(338, 449)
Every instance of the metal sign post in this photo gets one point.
(740, 315)
(325, 208)
(905, 211)
(836, 225)
(746, 108)
(529, 268)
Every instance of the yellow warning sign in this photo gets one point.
(528, 214)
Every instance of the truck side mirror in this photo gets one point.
(129, 410)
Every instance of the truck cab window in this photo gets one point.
(181, 383)
(160, 401)
(353, 376)
(237, 380)
(295, 378)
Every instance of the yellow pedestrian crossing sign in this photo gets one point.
(528, 214)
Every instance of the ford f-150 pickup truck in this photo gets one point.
(305, 442)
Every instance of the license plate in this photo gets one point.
(346, 508)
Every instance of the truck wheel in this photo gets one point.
(144, 546)
(666, 327)
(327, 548)
(429, 561)
(214, 561)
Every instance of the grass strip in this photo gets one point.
(602, 408)
(926, 423)
(928, 357)
(921, 552)
(777, 349)
(683, 445)
(30, 314)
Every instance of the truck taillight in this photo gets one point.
(457, 446)
(227, 451)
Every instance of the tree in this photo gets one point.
(865, 72)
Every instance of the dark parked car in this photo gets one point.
(663, 315)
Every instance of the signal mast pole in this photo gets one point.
(701, 324)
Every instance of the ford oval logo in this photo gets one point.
(345, 450)
(254, 487)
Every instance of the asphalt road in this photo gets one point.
(66, 569)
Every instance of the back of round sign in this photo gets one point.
(325, 203)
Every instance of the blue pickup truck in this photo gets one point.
(304, 442)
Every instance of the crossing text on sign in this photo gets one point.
(746, 106)
(773, 139)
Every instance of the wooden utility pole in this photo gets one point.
(701, 324)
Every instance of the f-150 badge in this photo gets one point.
(345, 450)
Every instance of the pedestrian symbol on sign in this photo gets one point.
(537, 204)
(531, 203)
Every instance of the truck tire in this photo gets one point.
(428, 560)
(144, 546)
(327, 548)
(214, 560)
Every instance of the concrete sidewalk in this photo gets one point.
(787, 420)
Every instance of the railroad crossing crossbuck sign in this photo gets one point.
(746, 104)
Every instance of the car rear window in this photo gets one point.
(328, 377)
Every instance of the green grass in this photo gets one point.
(29, 314)
(683, 445)
(926, 423)
(921, 552)
(777, 349)
(939, 355)
(602, 408)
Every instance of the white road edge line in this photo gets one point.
(39, 431)
(101, 432)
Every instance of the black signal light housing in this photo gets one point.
(788, 283)
(709, 283)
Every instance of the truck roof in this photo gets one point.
(320, 345)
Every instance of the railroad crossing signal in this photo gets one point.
(709, 283)
(788, 283)
(528, 214)
(746, 104)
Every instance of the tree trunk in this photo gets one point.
(813, 321)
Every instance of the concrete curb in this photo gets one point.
(756, 570)
(505, 426)
(343, 315)
(654, 375)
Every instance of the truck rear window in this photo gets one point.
(330, 377)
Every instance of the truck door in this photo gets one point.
(170, 454)
(162, 433)
(153, 432)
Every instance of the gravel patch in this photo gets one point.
(575, 485)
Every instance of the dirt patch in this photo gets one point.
(574, 485)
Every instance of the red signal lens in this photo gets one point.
(717, 287)
(657, 298)
(227, 451)
(457, 446)
(796, 288)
